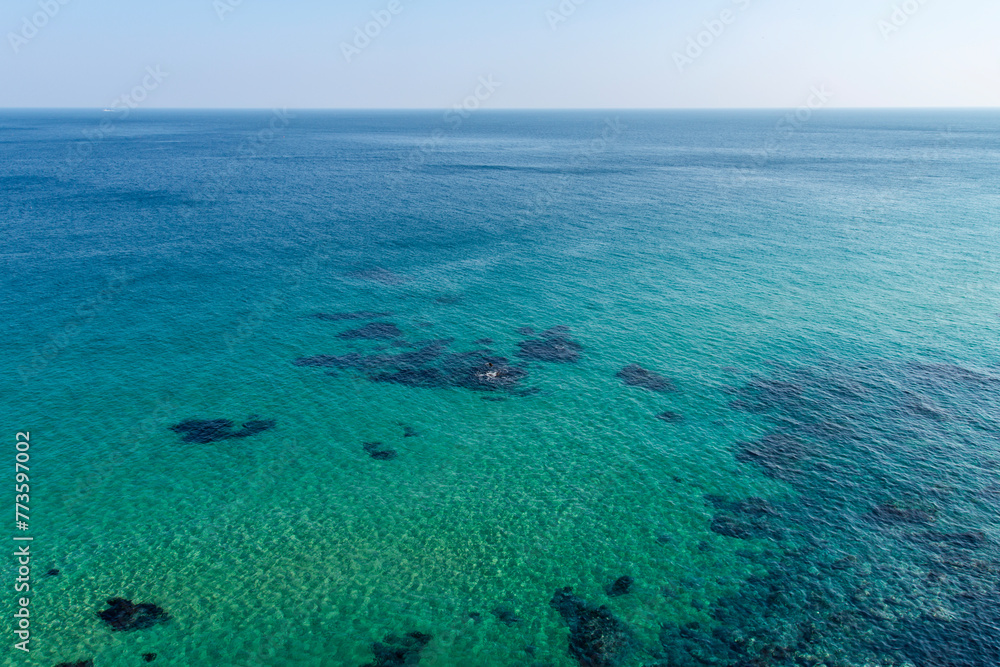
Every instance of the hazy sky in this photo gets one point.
(539, 53)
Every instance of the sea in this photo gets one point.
(507, 388)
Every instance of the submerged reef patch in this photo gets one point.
(895, 513)
(596, 637)
(635, 375)
(478, 371)
(553, 346)
(620, 586)
(394, 651)
(507, 616)
(124, 615)
(431, 366)
(204, 431)
(379, 452)
(889, 555)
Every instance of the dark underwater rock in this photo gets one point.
(670, 417)
(373, 331)
(339, 317)
(52, 573)
(526, 331)
(894, 513)
(123, 615)
(394, 651)
(204, 431)
(478, 371)
(483, 341)
(844, 433)
(635, 375)
(507, 616)
(554, 348)
(596, 637)
(482, 372)
(620, 586)
(253, 427)
(148, 657)
(377, 451)
(79, 663)
(410, 432)
(430, 368)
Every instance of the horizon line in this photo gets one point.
(516, 109)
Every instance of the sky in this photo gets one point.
(301, 54)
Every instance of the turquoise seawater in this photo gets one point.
(819, 303)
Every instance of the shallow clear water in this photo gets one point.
(835, 288)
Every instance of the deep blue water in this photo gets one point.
(804, 471)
